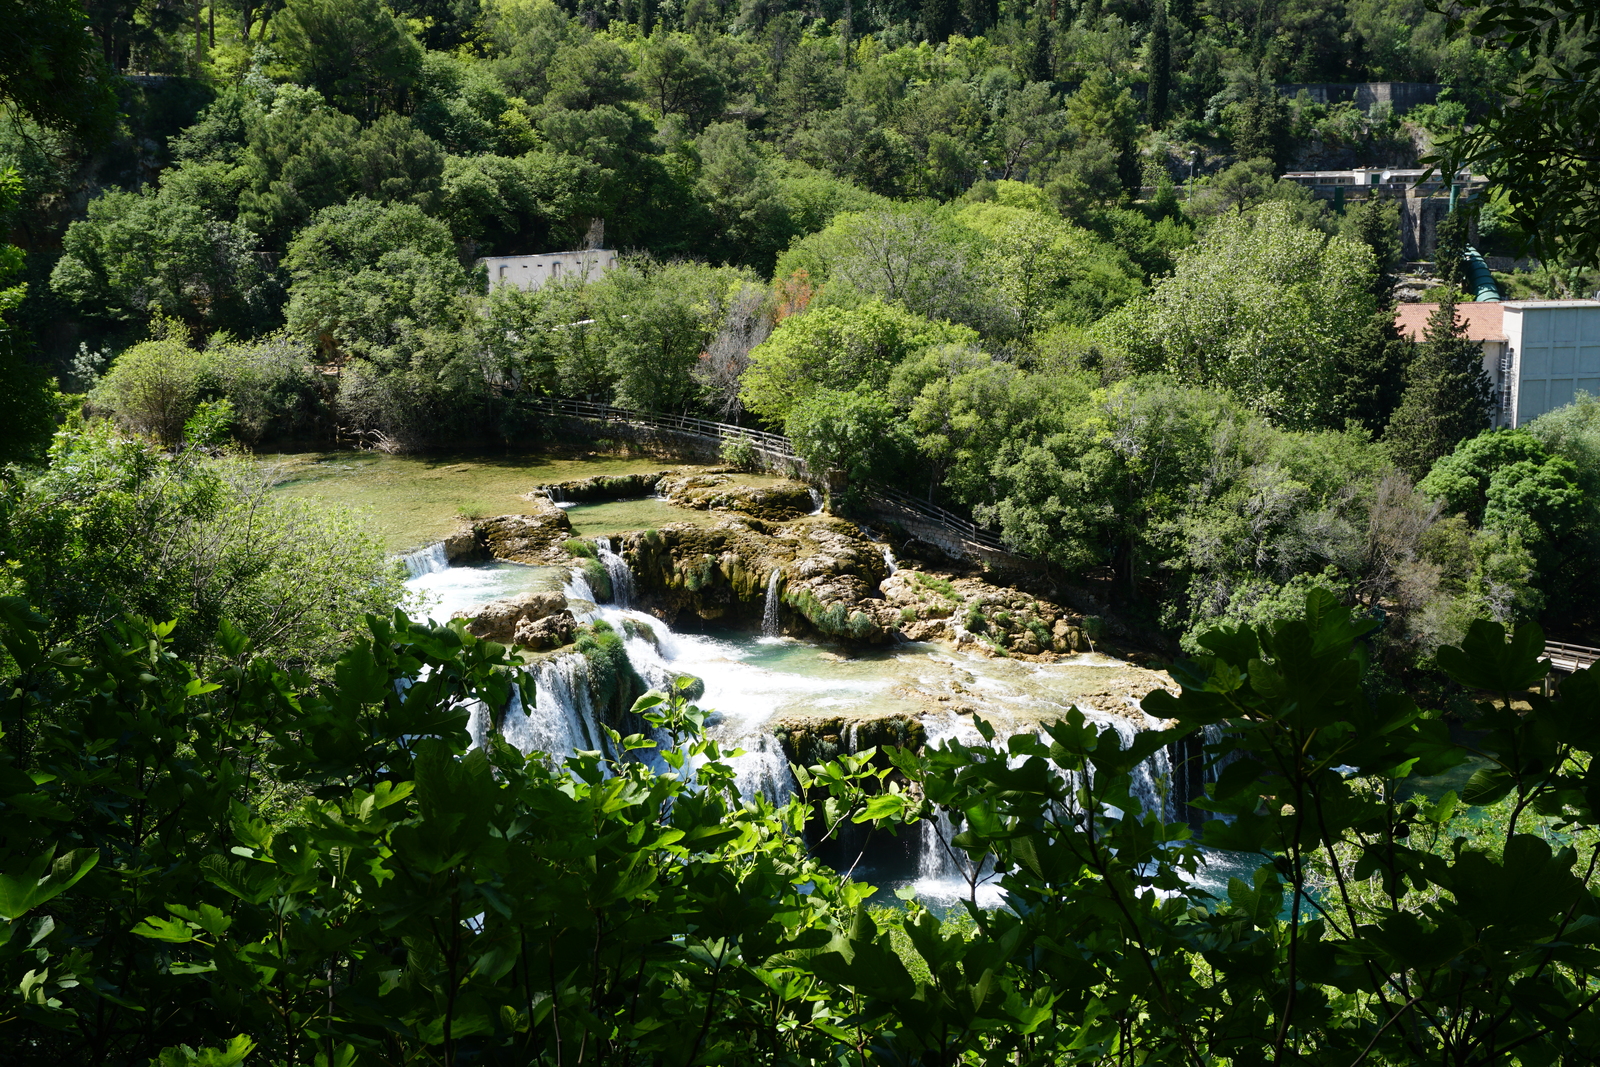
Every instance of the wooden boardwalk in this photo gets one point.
(1568, 658)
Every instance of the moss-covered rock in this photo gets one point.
(539, 536)
(604, 487)
(725, 492)
(809, 741)
(613, 683)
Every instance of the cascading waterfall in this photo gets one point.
(618, 570)
(763, 770)
(816, 500)
(562, 720)
(889, 561)
(771, 625)
(429, 560)
(939, 863)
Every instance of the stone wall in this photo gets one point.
(1402, 96)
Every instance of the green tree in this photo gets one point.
(837, 349)
(153, 387)
(1447, 394)
(354, 52)
(1371, 374)
(1260, 306)
(654, 322)
(365, 275)
(157, 254)
(848, 438)
(28, 403)
(1158, 63)
(737, 186)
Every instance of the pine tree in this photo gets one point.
(1447, 394)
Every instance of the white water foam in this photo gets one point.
(428, 560)
(771, 624)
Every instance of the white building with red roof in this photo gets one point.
(1539, 354)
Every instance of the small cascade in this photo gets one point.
(771, 625)
(889, 561)
(565, 721)
(1192, 770)
(620, 573)
(763, 770)
(581, 600)
(816, 500)
(429, 560)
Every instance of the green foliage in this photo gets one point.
(160, 254)
(694, 924)
(739, 452)
(856, 433)
(152, 387)
(113, 526)
(1258, 307)
(1447, 394)
(50, 72)
(354, 52)
(1535, 142)
(211, 425)
(837, 349)
(28, 402)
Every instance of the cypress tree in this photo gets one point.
(1450, 246)
(939, 19)
(1372, 365)
(1158, 62)
(1447, 394)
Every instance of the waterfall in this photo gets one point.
(1151, 787)
(566, 720)
(771, 626)
(620, 573)
(427, 560)
(763, 770)
(889, 560)
(816, 499)
(562, 720)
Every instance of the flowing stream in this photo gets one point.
(755, 684)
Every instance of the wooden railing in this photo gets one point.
(1569, 658)
(963, 528)
(779, 447)
(771, 443)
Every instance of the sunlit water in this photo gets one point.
(754, 683)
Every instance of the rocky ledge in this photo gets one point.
(534, 621)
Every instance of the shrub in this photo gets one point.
(599, 579)
(152, 388)
(739, 452)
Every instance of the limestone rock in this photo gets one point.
(505, 619)
(723, 492)
(552, 631)
(602, 487)
(462, 545)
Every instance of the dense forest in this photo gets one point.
(1033, 262)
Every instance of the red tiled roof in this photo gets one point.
(1482, 321)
